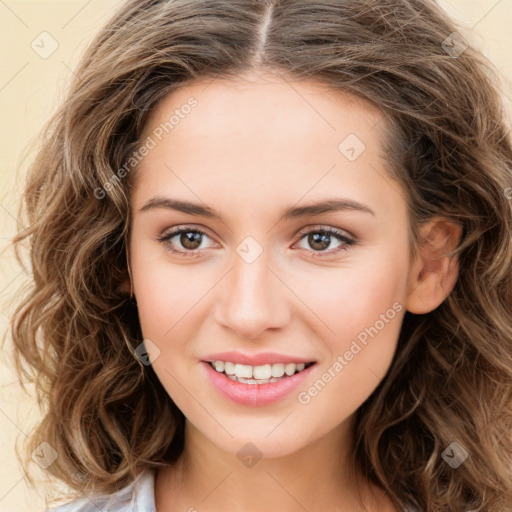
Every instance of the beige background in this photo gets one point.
(31, 86)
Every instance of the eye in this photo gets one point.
(187, 237)
(320, 238)
(190, 239)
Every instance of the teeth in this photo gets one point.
(289, 369)
(243, 370)
(257, 374)
(251, 381)
(278, 369)
(229, 368)
(263, 372)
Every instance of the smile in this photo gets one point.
(263, 374)
(250, 391)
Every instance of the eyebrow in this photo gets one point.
(294, 212)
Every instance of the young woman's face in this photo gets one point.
(258, 277)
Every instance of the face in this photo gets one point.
(255, 273)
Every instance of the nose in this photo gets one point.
(252, 299)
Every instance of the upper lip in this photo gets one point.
(255, 359)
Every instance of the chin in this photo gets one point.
(275, 445)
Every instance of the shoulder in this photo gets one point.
(139, 496)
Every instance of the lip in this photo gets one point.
(255, 359)
(254, 394)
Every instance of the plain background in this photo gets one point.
(31, 85)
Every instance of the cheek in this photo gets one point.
(360, 354)
(361, 308)
(349, 300)
(366, 311)
(168, 298)
(156, 301)
(166, 292)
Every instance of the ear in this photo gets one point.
(433, 274)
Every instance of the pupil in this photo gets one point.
(189, 241)
(315, 237)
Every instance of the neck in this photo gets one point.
(315, 477)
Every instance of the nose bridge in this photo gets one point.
(252, 298)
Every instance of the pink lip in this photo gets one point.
(255, 359)
(254, 394)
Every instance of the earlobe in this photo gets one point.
(434, 273)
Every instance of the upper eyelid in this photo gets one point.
(321, 227)
(176, 230)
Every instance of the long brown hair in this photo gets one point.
(75, 330)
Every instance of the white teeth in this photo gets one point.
(259, 374)
(229, 368)
(289, 369)
(278, 370)
(263, 372)
(243, 370)
(251, 381)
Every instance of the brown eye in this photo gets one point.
(318, 241)
(321, 238)
(186, 240)
(190, 240)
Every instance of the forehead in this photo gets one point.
(266, 102)
(263, 134)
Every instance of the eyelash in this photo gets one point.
(166, 237)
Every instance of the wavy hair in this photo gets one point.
(74, 330)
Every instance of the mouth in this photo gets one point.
(257, 386)
(258, 375)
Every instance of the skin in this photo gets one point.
(251, 148)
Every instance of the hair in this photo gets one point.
(74, 331)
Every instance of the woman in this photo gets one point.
(272, 263)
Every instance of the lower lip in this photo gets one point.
(255, 394)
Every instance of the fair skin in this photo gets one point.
(249, 150)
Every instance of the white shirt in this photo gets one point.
(139, 496)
